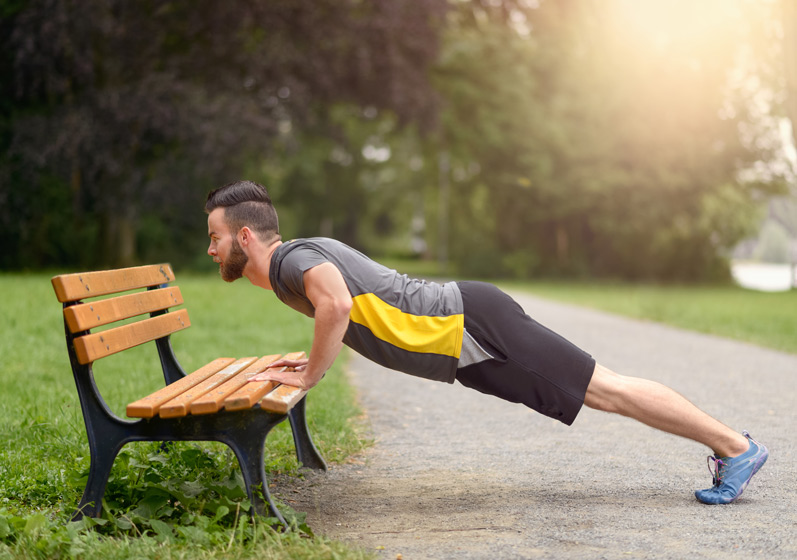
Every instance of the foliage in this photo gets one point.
(580, 172)
(179, 498)
(118, 116)
(580, 138)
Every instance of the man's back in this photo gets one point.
(405, 324)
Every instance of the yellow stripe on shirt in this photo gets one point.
(414, 333)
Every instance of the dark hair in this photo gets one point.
(246, 203)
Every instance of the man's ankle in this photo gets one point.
(733, 447)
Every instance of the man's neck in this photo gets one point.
(259, 266)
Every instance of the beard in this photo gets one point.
(233, 266)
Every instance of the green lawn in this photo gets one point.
(44, 454)
(765, 319)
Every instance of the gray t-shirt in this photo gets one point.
(409, 325)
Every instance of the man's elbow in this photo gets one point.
(337, 308)
(343, 307)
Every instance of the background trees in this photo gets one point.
(602, 147)
(118, 116)
(569, 137)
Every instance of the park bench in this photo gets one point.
(217, 402)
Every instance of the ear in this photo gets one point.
(245, 235)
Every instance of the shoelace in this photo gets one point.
(717, 471)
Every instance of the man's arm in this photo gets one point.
(326, 289)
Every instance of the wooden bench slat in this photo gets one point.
(81, 285)
(92, 347)
(282, 399)
(148, 406)
(213, 400)
(248, 395)
(179, 405)
(85, 316)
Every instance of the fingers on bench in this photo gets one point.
(224, 383)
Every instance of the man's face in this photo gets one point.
(224, 247)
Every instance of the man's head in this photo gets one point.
(236, 210)
(246, 203)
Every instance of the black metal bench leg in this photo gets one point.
(306, 451)
(99, 470)
(250, 457)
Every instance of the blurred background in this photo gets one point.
(590, 139)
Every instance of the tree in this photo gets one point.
(583, 149)
(119, 115)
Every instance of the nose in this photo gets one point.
(212, 249)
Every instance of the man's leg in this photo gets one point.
(660, 407)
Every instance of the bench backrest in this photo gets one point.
(81, 316)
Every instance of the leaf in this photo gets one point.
(190, 456)
(158, 458)
(6, 529)
(152, 501)
(192, 488)
(89, 522)
(35, 523)
(193, 534)
(161, 528)
(221, 511)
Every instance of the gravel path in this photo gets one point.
(457, 474)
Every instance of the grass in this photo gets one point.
(44, 457)
(761, 318)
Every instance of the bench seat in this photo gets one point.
(221, 384)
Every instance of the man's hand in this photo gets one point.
(295, 365)
(287, 376)
(290, 374)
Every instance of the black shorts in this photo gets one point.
(533, 365)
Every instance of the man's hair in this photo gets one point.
(246, 203)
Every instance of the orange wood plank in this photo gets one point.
(92, 347)
(213, 400)
(71, 287)
(149, 405)
(180, 404)
(85, 316)
(252, 392)
(282, 399)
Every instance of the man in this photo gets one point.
(465, 331)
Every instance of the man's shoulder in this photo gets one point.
(311, 242)
(323, 245)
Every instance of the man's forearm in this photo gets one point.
(331, 322)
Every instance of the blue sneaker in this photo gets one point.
(733, 474)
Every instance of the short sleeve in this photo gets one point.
(295, 264)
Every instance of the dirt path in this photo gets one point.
(456, 474)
